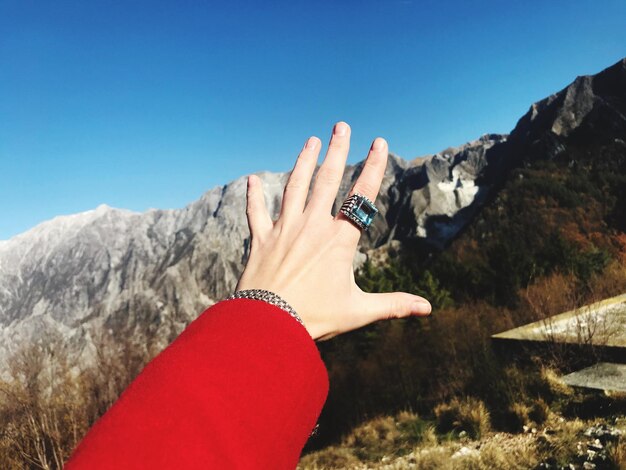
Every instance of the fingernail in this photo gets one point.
(341, 129)
(378, 144)
(421, 307)
(310, 143)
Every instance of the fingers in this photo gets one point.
(330, 173)
(259, 220)
(368, 183)
(297, 187)
(393, 305)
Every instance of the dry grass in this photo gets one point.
(501, 451)
(330, 457)
(539, 411)
(377, 439)
(562, 443)
(617, 455)
(504, 451)
(519, 416)
(556, 387)
(559, 441)
(431, 451)
(469, 415)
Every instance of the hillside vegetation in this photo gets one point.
(551, 239)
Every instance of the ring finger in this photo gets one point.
(370, 179)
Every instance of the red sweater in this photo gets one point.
(241, 387)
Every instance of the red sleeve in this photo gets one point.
(241, 387)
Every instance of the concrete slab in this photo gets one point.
(601, 376)
(600, 324)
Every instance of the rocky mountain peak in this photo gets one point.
(122, 270)
(127, 272)
(585, 99)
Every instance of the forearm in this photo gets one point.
(242, 387)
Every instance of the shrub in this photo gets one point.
(554, 384)
(375, 438)
(330, 457)
(518, 416)
(46, 406)
(469, 415)
(386, 435)
(429, 437)
(412, 428)
(616, 453)
(41, 410)
(539, 411)
(520, 453)
(434, 458)
(561, 446)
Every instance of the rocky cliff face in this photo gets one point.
(155, 271)
(584, 127)
(579, 123)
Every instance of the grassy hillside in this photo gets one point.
(406, 441)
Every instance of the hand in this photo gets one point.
(306, 255)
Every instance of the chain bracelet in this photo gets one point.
(269, 297)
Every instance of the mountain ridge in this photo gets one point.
(123, 270)
(157, 270)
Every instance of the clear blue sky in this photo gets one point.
(141, 104)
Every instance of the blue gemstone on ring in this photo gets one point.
(365, 212)
(359, 210)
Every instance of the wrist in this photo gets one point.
(268, 297)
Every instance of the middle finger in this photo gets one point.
(330, 173)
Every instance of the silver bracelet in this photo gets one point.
(269, 297)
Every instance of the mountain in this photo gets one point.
(125, 272)
(155, 271)
(561, 206)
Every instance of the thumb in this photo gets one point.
(388, 305)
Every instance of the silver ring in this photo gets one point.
(359, 210)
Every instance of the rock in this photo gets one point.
(466, 452)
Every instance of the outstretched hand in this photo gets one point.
(306, 255)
